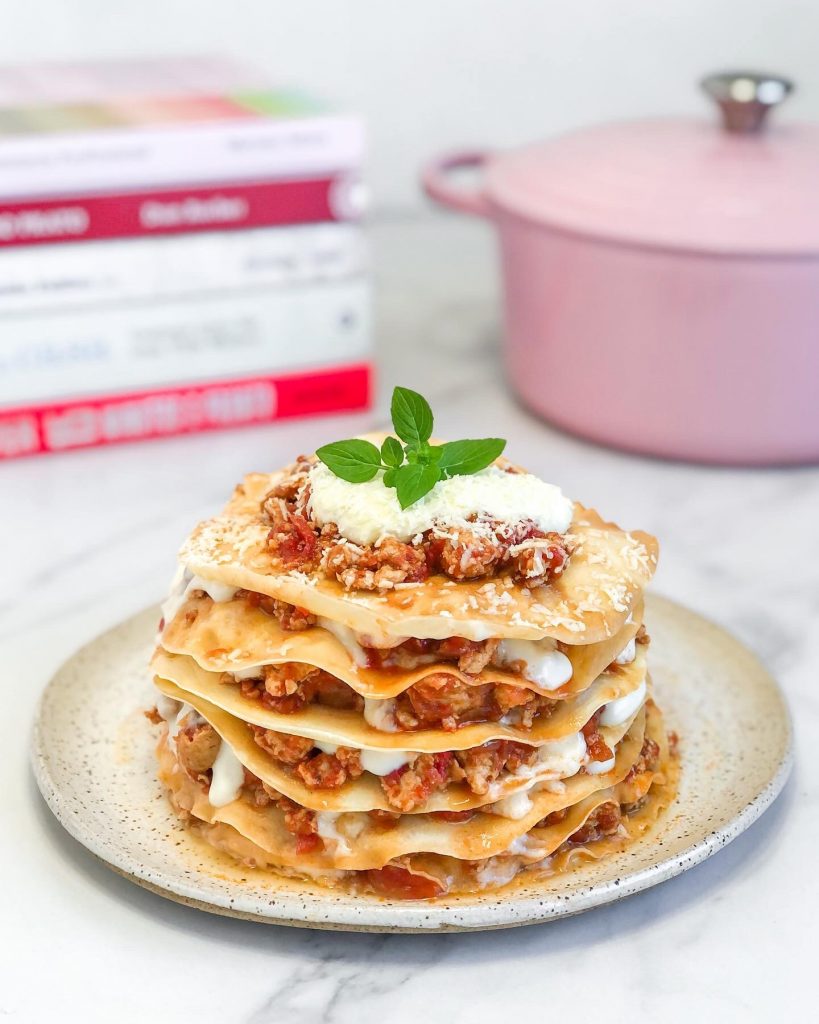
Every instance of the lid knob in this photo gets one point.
(745, 97)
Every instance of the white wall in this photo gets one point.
(434, 74)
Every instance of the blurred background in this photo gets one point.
(427, 76)
(195, 204)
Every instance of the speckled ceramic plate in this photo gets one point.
(93, 758)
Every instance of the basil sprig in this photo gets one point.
(414, 467)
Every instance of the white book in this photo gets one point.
(78, 275)
(222, 336)
(71, 163)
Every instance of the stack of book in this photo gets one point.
(180, 249)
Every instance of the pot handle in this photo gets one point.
(434, 180)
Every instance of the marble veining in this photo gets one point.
(90, 538)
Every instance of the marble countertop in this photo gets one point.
(89, 538)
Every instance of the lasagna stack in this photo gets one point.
(409, 702)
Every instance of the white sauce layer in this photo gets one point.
(227, 777)
(527, 846)
(377, 762)
(380, 714)
(367, 512)
(326, 826)
(515, 806)
(599, 767)
(628, 653)
(542, 664)
(621, 710)
(347, 638)
(183, 583)
(254, 672)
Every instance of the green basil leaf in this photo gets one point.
(411, 416)
(391, 452)
(355, 461)
(413, 482)
(462, 458)
(434, 452)
(388, 479)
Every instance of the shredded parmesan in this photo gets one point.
(366, 513)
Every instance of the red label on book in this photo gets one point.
(83, 423)
(172, 211)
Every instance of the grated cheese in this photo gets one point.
(366, 513)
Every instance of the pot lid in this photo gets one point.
(742, 187)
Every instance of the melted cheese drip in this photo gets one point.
(227, 777)
(380, 714)
(516, 806)
(621, 710)
(347, 638)
(367, 512)
(377, 762)
(326, 826)
(183, 583)
(542, 664)
(628, 653)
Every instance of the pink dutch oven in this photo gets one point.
(662, 278)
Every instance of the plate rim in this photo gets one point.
(379, 915)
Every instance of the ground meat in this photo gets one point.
(464, 554)
(292, 540)
(605, 821)
(673, 743)
(281, 745)
(443, 700)
(291, 485)
(555, 818)
(298, 820)
(259, 793)
(322, 772)
(482, 765)
(375, 568)
(411, 785)
(597, 747)
(289, 616)
(196, 748)
(287, 692)
(642, 636)
(648, 760)
(284, 680)
(153, 716)
(539, 560)
(473, 655)
(329, 771)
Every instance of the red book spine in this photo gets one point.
(178, 210)
(103, 419)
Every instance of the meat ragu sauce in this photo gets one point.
(396, 881)
(440, 700)
(524, 553)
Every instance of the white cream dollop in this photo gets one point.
(380, 714)
(183, 583)
(542, 664)
(347, 638)
(367, 512)
(227, 777)
(376, 762)
(616, 712)
(628, 653)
